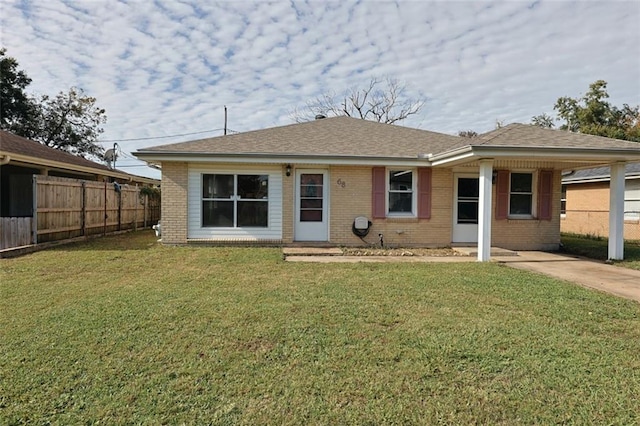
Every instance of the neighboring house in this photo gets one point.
(323, 181)
(50, 195)
(585, 196)
(21, 158)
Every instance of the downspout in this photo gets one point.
(5, 160)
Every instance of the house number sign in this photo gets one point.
(341, 183)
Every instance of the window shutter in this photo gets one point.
(545, 194)
(379, 185)
(424, 193)
(502, 194)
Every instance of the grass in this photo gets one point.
(598, 248)
(121, 330)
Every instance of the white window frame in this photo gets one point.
(563, 199)
(534, 191)
(233, 198)
(413, 191)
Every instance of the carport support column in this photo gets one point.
(484, 211)
(616, 212)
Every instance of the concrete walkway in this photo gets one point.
(611, 279)
(623, 282)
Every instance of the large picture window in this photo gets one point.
(521, 194)
(401, 193)
(235, 200)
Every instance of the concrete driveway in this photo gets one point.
(612, 279)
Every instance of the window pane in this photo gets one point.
(310, 215)
(520, 204)
(400, 180)
(253, 214)
(521, 182)
(400, 202)
(254, 187)
(217, 186)
(311, 179)
(217, 213)
(467, 212)
(311, 203)
(468, 187)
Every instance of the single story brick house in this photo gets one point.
(585, 196)
(346, 181)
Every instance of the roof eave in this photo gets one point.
(595, 155)
(260, 158)
(40, 162)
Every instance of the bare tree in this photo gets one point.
(382, 100)
(467, 133)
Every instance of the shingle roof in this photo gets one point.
(336, 136)
(13, 144)
(18, 145)
(351, 137)
(527, 135)
(601, 173)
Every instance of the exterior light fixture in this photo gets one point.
(288, 169)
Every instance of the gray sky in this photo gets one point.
(164, 68)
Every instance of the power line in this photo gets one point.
(162, 137)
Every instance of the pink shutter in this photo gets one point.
(379, 185)
(424, 193)
(502, 194)
(545, 194)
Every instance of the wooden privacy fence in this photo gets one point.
(68, 208)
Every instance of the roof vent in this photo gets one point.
(320, 116)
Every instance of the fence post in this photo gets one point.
(104, 230)
(119, 209)
(34, 217)
(144, 211)
(83, 217)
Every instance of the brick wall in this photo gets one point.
(174, 202)
(530, 234)
(588, 212)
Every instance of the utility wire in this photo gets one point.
(163, 137)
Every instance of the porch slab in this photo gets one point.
(495, 251)
(311, 251)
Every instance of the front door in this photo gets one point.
(312, 207)
(465, 208)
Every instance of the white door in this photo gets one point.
(465, 208)
(312, 206)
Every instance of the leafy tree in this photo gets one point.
(70, 121)
(382, 100)
(14, 102)
(543, 120)
(592, 114)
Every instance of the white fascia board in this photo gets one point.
(280, 159)
(42, 163)
(598, 156)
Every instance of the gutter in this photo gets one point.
(5, 160)
(273, 158)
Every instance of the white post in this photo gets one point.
(616, 212)
(484, 211)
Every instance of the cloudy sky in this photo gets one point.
(168, 67)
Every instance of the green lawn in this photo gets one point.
(598, 248)
(121, 330)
